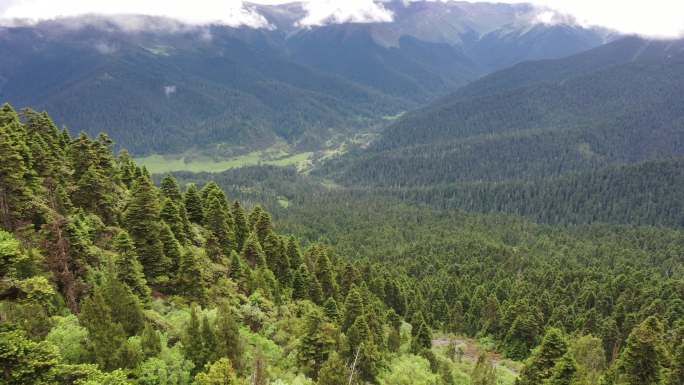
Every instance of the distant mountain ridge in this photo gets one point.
(616, 104)
(158, 86)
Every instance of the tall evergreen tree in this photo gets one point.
(170, 189)
(170, 214)
(484, 372)
(641, 362)
(241, 226)
(301, 283)
(253, 254)
(129, 269)
(218, 221)
(193, 205)
(542, 361)
(353, 308)
(142, 222)
(564, 372)
(189, 281)
(228, 336)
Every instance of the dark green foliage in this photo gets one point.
(228, 336)
(217, 220)
(642, 360)
(540, 366)
(422, 336)
(193, 205)
(150, 341)
(484, 372)
(142, 222)
(252, 252)
(241, 225)
(676, 375)
(301, 283)
(189, 281)
(331, 310)
(128, 267)
(564, 372)
(106, 339)
(353, 308)
(24, 361)
(171, 215)
(316, 344)
(334, 371)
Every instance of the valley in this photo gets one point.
(338, 193)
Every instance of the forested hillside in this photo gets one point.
(107, 279)
(156, 85)
(535, 120)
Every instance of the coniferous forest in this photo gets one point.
(109, 278)
(457, 193)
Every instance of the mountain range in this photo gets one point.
(159, 86)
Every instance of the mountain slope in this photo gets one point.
(158, 86)
(623, 113)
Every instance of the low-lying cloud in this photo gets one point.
(324, 12)
(233, 13)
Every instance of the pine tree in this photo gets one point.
(252, 253)
(543, 359)
(150, 341)
(189, 281)
(334, 371)
(484, 372)
(171, 248)
(325, 275)
(353, 308)
(228, 339)
(301, 283)
(422, 335)
(331, 310)
(193, 205)
(129, 269)
(641, 362)
(142, 222)
(219, 373)
(93, 194)
(170, 189)
(219, 223)
(315, 345)
(16, 193)
(294, 255)
(209, 342)
(564, 372)
(241, 225)
(170, 214)
(105, 337)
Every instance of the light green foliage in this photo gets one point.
(219, 373)
(70, 338)
(641, 362)
(590, 358)
(171, 367)
(408, 370)
(540, 365)
(23, 361)
(484, 372)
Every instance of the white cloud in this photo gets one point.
(228, 12)
(653, 18)
(321, 12)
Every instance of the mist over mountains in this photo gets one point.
(160, 86)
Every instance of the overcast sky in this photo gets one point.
(663, 18)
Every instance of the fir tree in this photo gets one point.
(484, 372)
(170, 189)
(540, 365)
(334, 371)
(106, 338)
(170, 214)
(228, 339)
(125, 306)
(129, 269)
(15, 174)
(189, 281)
(150, 341)
(219, 223)
(564, 372)
(676, 375)
(422, 336)
(241, 226)
(315, 345)
(331, 310)
(301, 283)
(642, 359)
(315, 291)
(294, 255)
(142, 222)
(193, 205)
(171, 248)
(353, 308)
(325, 275)
(252, 253)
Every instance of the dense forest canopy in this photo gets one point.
(107, 278)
